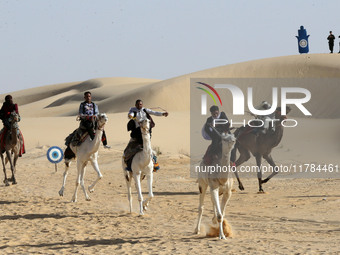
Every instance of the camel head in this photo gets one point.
(101, 120)
(145, 126)
(14, 118)
(228, 142)
(278, 113)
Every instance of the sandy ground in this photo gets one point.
(296, 216)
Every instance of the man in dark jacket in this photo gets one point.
(331, 39)
(215, 148)
(7, 108)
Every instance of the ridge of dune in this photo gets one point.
(173, 94)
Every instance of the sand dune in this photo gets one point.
(115, 95)
(296, 216)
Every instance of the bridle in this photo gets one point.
(144, 130)
(101, 127)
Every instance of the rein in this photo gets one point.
(101, 128)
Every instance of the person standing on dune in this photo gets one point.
(331, 39)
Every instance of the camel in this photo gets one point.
(260, 145)
(87, 151)
(219, 183)
(11, 144)
(142, 165)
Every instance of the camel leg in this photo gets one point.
(216, 202)
(12, 179)
(82, 184)
(272, 163)
(244, 156)
(15, 159)
(139, 192)
(202, 188)
(67, 166)
(95, 166)
(226, 195)
(80, 167)
(150, 196)
(4, 168)
(259, 172)
(128, 179)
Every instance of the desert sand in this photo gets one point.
(294, 216)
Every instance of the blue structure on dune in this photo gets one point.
(303, 40)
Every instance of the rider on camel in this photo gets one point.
(5, 114)
(136, 115)
(267, 119)
(88, 112)
(215, 148)
(7, 108)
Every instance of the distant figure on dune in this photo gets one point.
(331, 39)
(339, 45)
(136, 115)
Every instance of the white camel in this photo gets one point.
(141, 166)
(219, 182)
(87, 151)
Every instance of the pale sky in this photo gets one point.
(46, 42)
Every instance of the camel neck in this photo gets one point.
(14, 136)
(97, 139)
(146, 144)
(278, 133)
(225, 160)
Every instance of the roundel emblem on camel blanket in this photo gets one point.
(55, 154)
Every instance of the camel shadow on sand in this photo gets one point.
(84, 243)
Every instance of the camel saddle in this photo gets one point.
(77, 137)
(130, 151)
(210, 157)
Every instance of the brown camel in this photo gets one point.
(11, 144)
(260, 145)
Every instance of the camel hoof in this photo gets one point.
(14, 182)
(223, 237)
(141, 214)
(241, 187)
(91, 189)
(88, 199)
(61, 193)
(73, 200)
(262, 192)
(6, 184)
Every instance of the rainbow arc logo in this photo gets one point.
(209, 93)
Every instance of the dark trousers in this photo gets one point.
(6, 123)
(136, 133)
(104, 140)
(331, 46)
(88, 126)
